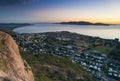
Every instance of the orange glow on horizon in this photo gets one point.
(107, 21)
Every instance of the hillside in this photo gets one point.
(12, 67)
(44, 67)
(52, 68)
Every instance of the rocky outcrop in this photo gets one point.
(12, 67)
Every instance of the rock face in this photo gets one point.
(12, 67)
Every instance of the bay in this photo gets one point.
(107, 32)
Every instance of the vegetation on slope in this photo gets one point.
(52, 68)
(103, 49)
(115, 54)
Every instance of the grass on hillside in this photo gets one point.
(52, 68)
(83, 43)
(103, 49)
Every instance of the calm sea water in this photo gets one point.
(108, 32)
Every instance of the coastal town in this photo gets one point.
(78, 48)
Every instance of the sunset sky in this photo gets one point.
(106, 11)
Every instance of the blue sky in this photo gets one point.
(60, 10)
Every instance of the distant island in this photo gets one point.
(83, 23)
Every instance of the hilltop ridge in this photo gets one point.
(83, 23)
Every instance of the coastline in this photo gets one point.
(10, 30)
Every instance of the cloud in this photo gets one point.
(12, 2)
